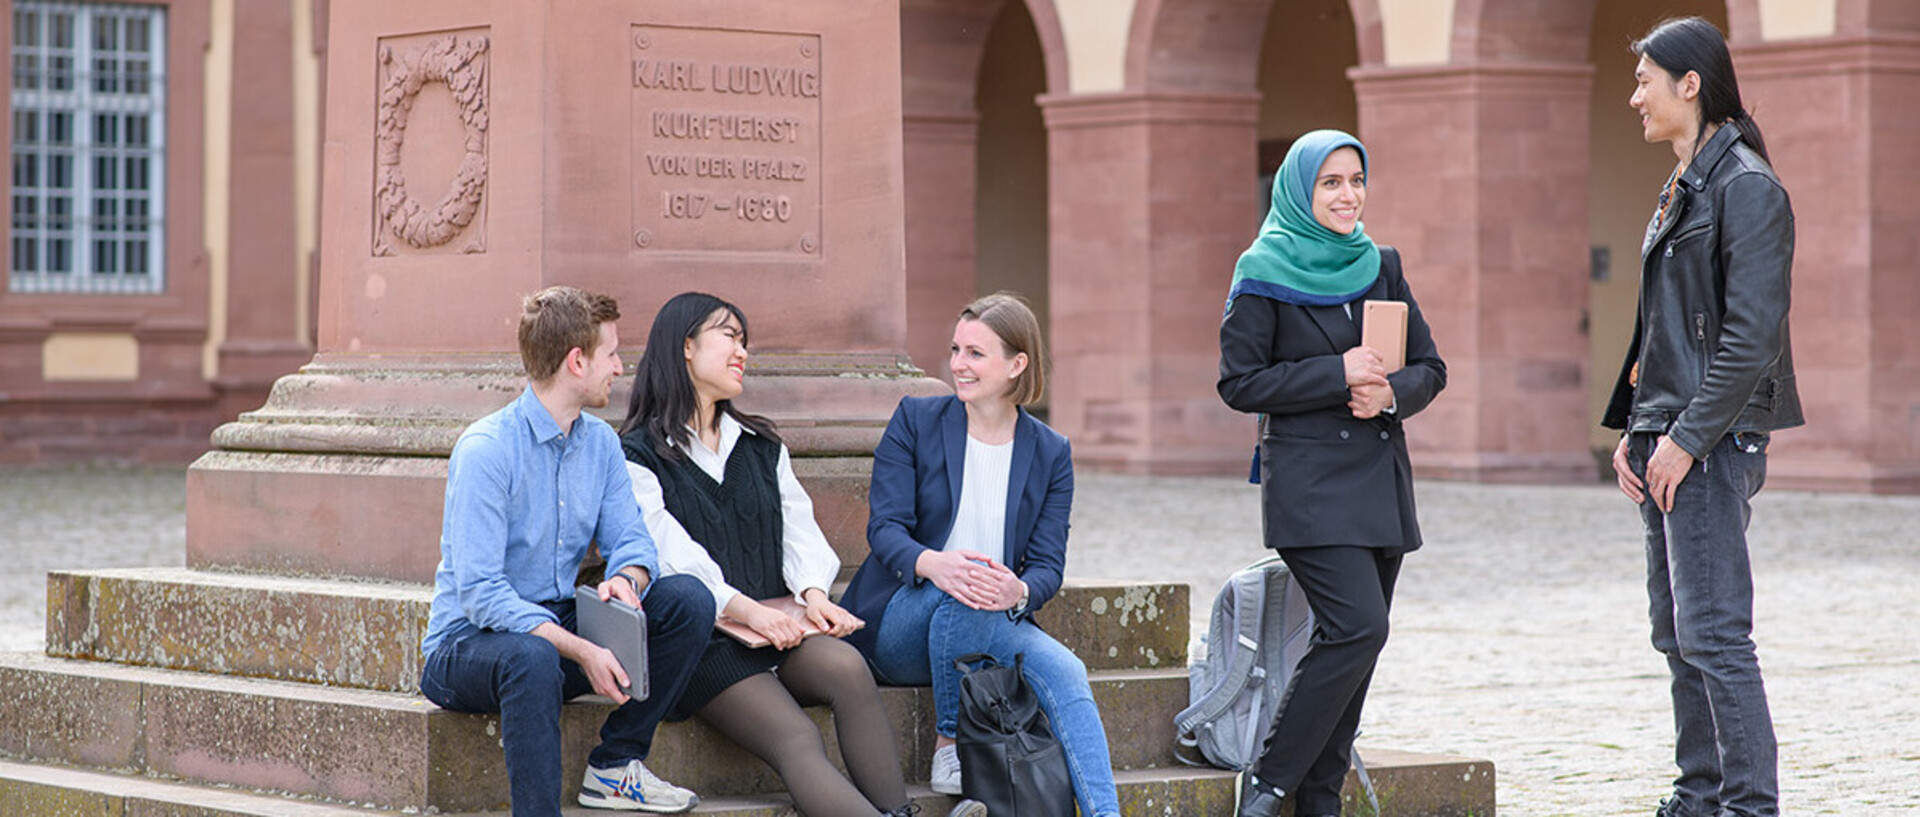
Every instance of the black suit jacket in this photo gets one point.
(1327, 477)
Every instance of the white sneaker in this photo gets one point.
(633, 787)
(969, 808)
(945, 776)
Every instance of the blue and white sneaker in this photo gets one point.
(632, 787)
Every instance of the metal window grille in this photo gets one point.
(89, 148)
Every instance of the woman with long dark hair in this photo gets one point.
(719, 495)
(1707, 379)
(1336, 485)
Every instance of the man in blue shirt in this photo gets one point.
(529, 487)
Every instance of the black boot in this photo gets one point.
(1670, 808)
(1257, 799)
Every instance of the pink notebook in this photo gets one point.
(1384, 327)
(745, 635)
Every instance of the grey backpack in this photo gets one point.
(1259, 631)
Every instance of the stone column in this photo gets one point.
(1832, 109)
(1152, 201)
(478, 150)
(1479, 176)
(941, 160)
(262, 263)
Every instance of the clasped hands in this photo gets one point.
(1369, 393)
(971, 577)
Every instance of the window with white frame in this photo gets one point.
(89, 124)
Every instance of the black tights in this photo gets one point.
(763, 714)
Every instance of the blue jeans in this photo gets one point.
(924, 630)
(522, 677)
(1700, 594)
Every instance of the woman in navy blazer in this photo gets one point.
(968, 537)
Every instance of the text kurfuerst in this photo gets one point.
(730, 126)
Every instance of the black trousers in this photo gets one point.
(1310, 744)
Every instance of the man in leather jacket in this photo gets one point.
(1708, 377)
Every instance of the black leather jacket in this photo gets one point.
(1711, 336)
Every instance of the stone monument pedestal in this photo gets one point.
(477, 151)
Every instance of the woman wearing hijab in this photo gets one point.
(1336, 483)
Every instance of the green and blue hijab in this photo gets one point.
(1296, 259)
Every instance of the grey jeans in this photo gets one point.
(1700, 600)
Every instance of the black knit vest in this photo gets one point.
(739, 520)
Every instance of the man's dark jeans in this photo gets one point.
(522, 677)
(1700, 594)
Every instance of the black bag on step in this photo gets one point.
(1009, 759)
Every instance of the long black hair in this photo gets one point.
(663, 400)
(1691, 44)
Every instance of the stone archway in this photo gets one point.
(1215, 45)
(1303, 89)
(942, 45)
(1196, 45)
(1011, 194)
(1521, 30)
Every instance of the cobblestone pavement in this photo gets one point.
(1520, 632)
(65, 518)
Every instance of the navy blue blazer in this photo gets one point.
(916, 489)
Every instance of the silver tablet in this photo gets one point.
(619, 627)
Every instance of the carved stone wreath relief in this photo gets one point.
(461, 63)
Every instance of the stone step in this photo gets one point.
(27, 789)
(367, 634)
(1411, 785)
(397, 750)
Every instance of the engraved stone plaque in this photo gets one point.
(726, 141)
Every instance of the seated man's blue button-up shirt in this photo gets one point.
(524, 501)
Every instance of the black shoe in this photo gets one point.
(1670, 808)
(1257, 799)
(911, 809)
